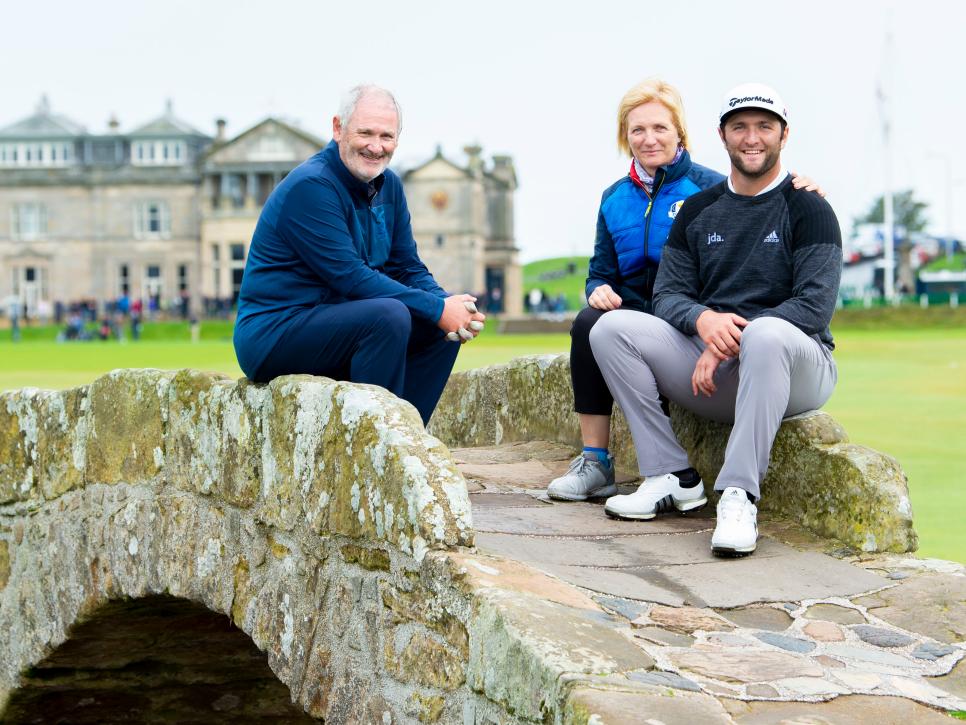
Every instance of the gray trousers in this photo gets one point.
(783, 372)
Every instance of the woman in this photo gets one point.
(635, 217)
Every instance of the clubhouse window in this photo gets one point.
(158, 153)
(152, 220)
(29, 221)
(36, 154)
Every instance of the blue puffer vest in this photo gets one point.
(633, 226)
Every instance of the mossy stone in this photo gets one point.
(18, 445)
(4, 564)
(63, 425)
(128, 415)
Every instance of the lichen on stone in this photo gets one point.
(288, 631)
(372, 559)
(19, 432)
(128, 417)
(4, 564)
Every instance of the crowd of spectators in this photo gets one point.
(93, 319)
(536, 301)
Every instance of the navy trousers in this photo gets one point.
(375, 341)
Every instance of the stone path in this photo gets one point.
(803, 620)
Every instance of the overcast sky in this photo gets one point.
(537, 81)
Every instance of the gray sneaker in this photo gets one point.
(586, 478)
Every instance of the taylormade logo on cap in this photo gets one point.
(735, 101)
(752, 95)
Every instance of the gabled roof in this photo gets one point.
(166, 125)
(287, 126)
(43, 124)
(243, 148)
(437, 158)
(501, 173)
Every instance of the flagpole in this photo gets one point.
(888, 217)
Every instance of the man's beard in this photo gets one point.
(771, 159)
(363, 167)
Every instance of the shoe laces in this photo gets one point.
(735, 506)
(578, 465)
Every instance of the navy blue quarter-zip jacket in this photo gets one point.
(323, 238)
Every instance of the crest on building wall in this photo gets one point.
(439, 200)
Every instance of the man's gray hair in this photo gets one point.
(352, 97)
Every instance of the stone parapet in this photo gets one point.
(527, 399)
(835, 488)
(349, 459)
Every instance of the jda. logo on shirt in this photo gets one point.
(714, 239)
(675, 208)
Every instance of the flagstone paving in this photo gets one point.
(805, 630)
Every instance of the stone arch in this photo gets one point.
(303, 510)
(156, 659)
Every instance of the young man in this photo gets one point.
(333, 284)
(743, 299)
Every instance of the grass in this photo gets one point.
(901, 391)
(48, 364)
(65, 365)
(956, 263)
(559, 275)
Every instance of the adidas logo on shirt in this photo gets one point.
(772, 238)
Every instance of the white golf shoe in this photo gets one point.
(736, 532)
(656, 495)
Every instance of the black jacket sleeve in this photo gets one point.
(816, 264)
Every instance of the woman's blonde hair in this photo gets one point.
(652, 89)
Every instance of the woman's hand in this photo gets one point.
(604, 298)
(702, 379)
(804, 182)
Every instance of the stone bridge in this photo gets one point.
(179, 547)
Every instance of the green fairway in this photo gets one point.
(903, 392)
(46, 364)
(900, 391)
(65, 365)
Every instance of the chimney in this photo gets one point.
(220, 124)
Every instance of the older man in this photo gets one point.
(743, 300)
(333, 284)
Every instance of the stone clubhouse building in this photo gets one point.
(165, 212)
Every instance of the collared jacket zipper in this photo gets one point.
(647, 227)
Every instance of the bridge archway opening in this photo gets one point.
(159, 659)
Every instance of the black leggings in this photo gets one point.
(591, 396)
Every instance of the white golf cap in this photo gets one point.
(753, 95)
